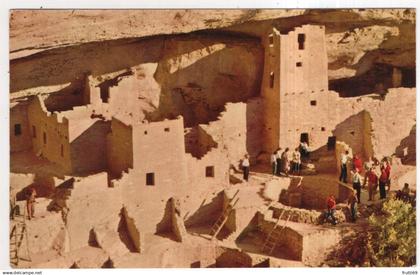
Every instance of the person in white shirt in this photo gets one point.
(273, 161)
(304, 149)
(343, 161)
(285, 159)
(245, 167)
(357, 183)
(368, 164)
(296, 161)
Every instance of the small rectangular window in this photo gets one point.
(166, 129)
(210, 172)
(323, 129)
(18, 129)
(298, 64)
(62, 150)
(313, 102)
(271, 79)
(150, 179)
(44, 137)
(301, 41)
(145, 132)
(33, 131)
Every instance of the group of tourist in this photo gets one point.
(376, 174)
(285, 161)
(282, 161)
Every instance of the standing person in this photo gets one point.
(388, 173)
(30, 203)
(274, 163)
(304, 149)
(285, 159)
(296, 161)
(245, 167)
(382, 182)
(357, 183)
(357, 163)
(372, 181)
(351, 201)
(344, 159)
(278, 160)
(331, 205)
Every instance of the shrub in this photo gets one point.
(392, 238)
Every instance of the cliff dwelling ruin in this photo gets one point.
(135, 141)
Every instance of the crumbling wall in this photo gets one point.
(119, 147)
(177, 226)
(239, 130)
(355, 133)
(20, 133)
(124, 92)
(316, 189)
(198, 142)
(91, 204)
(133, 231)
(50, 134)
(392, 117)
(204, 211)
(212, 168)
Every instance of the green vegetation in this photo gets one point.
(392, 238)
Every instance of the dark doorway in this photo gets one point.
(304, 137)
(104, 93)
(331, 143)
(196, 264)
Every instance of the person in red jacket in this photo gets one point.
(372, 181)
(357, 163)
(383, 178)
(331, 205)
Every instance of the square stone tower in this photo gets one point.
(295, 88)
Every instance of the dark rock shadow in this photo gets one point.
(406, 150)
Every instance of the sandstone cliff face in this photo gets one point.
(357, 39)
(193, 75)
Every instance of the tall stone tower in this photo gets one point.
(295, 88)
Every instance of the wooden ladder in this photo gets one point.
(223, 218)
(273, 237)
(17, 234)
